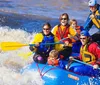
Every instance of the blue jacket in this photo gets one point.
(88, 24)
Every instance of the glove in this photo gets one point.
(71, 58)
(31, 48)
(95, 66)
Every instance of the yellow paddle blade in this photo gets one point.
(6, 46)
(25, 55)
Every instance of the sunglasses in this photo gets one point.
(82, 38)
(63, 19)
(77, 29)
(45, 29)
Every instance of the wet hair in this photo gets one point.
(73, 20)
(48, 24)
(53, 53)
(64, 14)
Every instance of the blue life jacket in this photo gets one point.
(43, 48)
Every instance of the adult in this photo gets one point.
(41, 48)
(62, 31)
(93, 19)
(89, 53)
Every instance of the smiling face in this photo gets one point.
(83, 39)
(64, 19)
(93, 8)
(46, 29)
(74, 24)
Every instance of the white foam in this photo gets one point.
(11, 63)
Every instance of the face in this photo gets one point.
(83, 39)
(46, 29)
(64, 20)
(93, 8)
(74, 24)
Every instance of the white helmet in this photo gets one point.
(92, 2)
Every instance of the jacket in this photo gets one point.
(91, 53)
(95, 21)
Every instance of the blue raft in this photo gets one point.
(56, 76)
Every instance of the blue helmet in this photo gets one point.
(92, 2)
(85, 33)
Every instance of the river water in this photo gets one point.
(20, 20)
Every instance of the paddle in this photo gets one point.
(87, 24)
(25, 55)
(83, 62)
(6, 46)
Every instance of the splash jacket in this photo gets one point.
(95, 21)
(62, 32)
(90, 53)
(44, 50)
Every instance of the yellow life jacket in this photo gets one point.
(87, 56)
(96, 21)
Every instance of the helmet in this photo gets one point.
(92, 2)
(85, 33)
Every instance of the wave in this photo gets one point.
(11, 63)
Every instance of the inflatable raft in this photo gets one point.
(56, 76)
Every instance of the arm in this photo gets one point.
(96, 20)
(88, 24)
(72, 31)
(54, 29)
(72, 34)
(37, 39)
(95, 50)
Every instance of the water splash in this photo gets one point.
(11, 63)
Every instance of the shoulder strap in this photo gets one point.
(88, 45)
(62, 34)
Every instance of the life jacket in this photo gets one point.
(53, 61)
(46, 48)
(79, 29)
(62, 33)
(96, 21)
(86, 55)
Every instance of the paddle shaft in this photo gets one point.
(83, 63)
(47, 43)
(6, 46)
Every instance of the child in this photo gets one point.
(78, 29)
(55, 60)
(75, 39)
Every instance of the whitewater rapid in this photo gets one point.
(10, 61)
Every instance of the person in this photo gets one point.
(89, 53)
(40, 40)
(75, 39)
(55, 59)
(93, 19)
(62, 31)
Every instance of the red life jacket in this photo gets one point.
(62, 33)
(53, 61)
